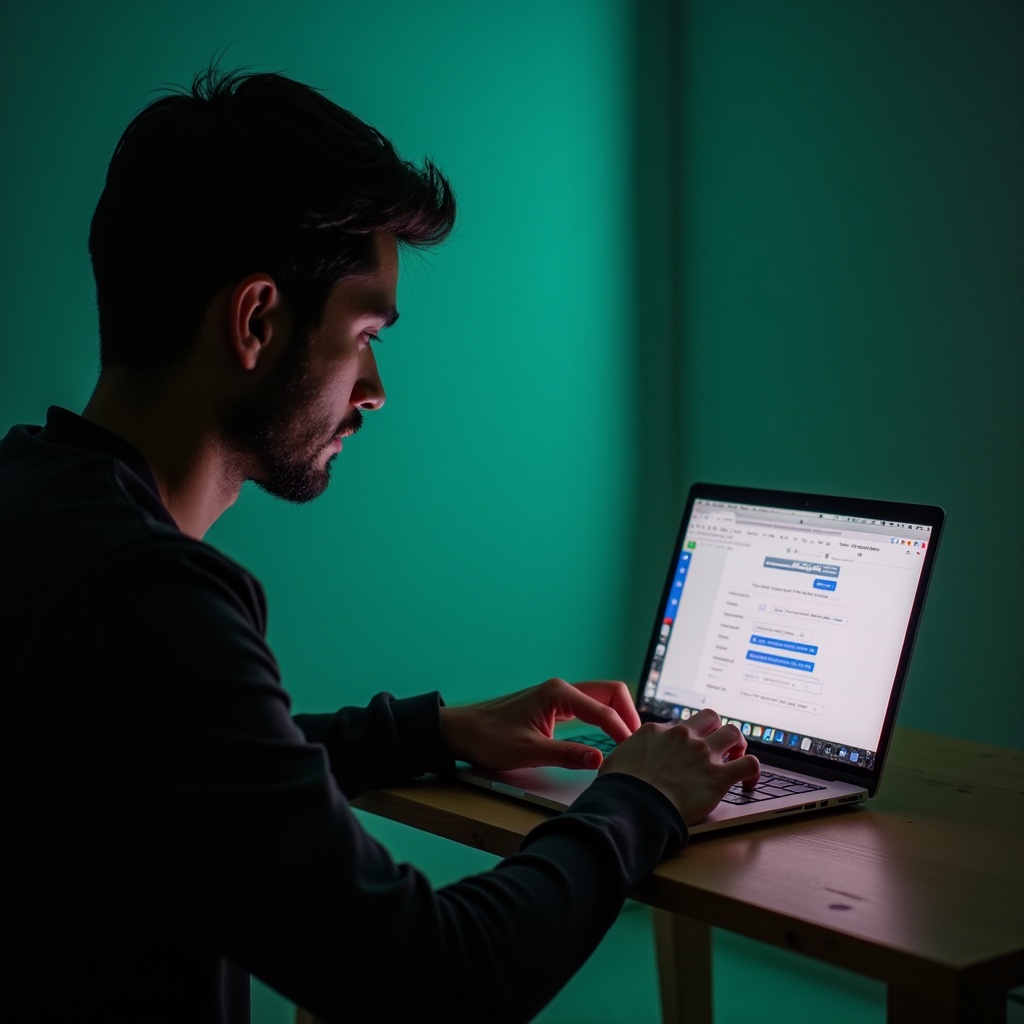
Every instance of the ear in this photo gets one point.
(254, 310)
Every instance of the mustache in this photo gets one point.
(351, 423)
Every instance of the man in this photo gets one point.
(170, 827)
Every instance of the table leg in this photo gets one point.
(683, 949)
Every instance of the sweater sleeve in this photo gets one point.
(213, 809)
(388, 741)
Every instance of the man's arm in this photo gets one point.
(392, 740)
(196, 798)
(387, 742)
(179, 779)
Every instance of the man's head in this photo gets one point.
(244, 174)
(286, 424)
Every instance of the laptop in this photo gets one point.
(794, 617)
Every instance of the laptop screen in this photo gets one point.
(793, 617)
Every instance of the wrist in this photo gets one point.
(452, 731)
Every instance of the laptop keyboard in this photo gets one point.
(770, 786)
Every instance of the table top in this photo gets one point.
(922, 885)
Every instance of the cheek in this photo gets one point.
(340, 381)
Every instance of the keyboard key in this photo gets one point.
(771, 786)
(738, 798)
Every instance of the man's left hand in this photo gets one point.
(517, 731)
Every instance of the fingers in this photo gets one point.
(607, 704)
(746, 769)
(576, 755)
(617, 696)
(693, 762)
(727, 743)
(566, 755)
(705, 722)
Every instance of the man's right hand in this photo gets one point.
(694, 763)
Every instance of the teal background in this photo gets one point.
(752, 241)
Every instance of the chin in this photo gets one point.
(298, 485)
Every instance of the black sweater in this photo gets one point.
(171, 828)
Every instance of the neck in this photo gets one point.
(173, 430)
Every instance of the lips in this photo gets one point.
(350, 424)
(346, 428)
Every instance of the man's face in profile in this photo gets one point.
(291, 427)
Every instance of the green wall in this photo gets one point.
(745, 241)
(739, 240)
(472, 539)
(852, 293)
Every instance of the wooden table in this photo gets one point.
(920, 888)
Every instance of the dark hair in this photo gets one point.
(244, 173)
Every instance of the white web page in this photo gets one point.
(794, 626)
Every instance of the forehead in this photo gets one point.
(385, 249)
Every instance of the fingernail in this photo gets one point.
(591, 759)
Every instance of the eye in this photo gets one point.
(371, 337)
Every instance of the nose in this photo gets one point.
(368, 392)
